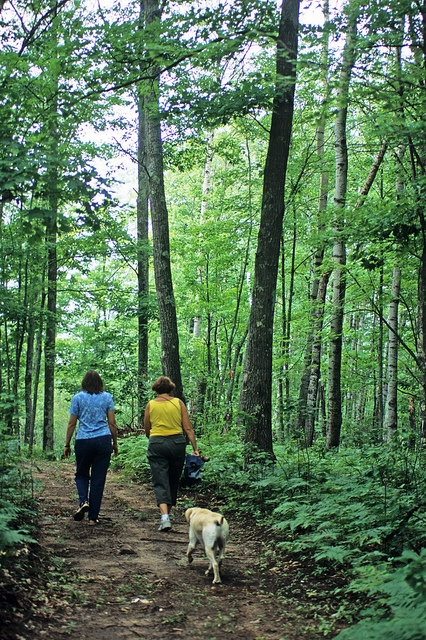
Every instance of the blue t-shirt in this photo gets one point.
(91, 410)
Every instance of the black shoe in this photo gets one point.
(83, 508)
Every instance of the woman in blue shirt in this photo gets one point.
(95, 441)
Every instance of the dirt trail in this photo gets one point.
(122, 579)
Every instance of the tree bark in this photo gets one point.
(280, 385)
(142, 214)
(170, 361)
(20, 329)
(391, 420)
(391, 414)
(198, 320)
(50, 335)
(256, 387)
(380, 410)
(372, 173)
(339, 249)
(52, 267)
(315, 370)
(37, 363)
(302, 412)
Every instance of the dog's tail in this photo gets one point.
(220, 521)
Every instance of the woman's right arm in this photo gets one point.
(113, 428)
(147, 421)
(72, 423)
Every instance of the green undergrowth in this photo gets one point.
(16, 497)
(132, 457)
(360, 509)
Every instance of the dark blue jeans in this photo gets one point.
(166, 456)
(93, 456)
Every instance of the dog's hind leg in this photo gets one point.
(220, 553)
(193, 541)
(213, 565)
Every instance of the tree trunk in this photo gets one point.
(379, 412)
(305, 382)
(50, 335)
(256, 387)
(315, 370)
(237, 352)
(1, 284)
(391, 415)
(391, 420)
(37, 364)
(199, 401)
(421, 319)
(28, 435)
(204, 193)
(339, 248)
(286, 336)
(170, 361)
(143, 256)
(31, 296)
(52, 268)
(418, 48)
(20, 329)
(280, 387)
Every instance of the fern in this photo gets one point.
(358, 508)
(9, 535)
(133, 458)
(16, 486)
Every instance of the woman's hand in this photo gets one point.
(72, 423)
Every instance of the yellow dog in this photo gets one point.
(211, 530)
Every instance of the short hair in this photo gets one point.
(92, 382)
(163, 385)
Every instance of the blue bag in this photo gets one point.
(192, 470)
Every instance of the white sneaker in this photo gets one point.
(165, 525)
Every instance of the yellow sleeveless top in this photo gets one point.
(165, 417)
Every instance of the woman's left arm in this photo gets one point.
(188, 427)
(113, 428)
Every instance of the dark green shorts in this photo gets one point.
(166, 457)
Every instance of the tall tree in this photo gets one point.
(391, 418)
(143, 259)
(51, 232)
(142, 215)
(391, 413)
(255, 403)
(203, 207)
(170, 360)
(311, 371)
(339, 247)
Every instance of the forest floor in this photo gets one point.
(123, 579)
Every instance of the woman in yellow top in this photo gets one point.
(166, 422)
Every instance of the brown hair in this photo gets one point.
(92, 382)
(163, 385)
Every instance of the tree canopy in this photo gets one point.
(71, 78)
